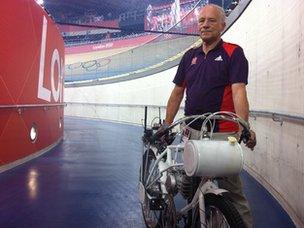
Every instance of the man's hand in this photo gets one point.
(248, 138)
(251, 142)
(162, 128)
(164, 135)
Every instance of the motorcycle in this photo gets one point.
(175, 169)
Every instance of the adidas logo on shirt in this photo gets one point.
(219, 58)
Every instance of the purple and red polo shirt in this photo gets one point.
(208, 79)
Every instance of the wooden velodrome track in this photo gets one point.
(92, 65)
(89, 56)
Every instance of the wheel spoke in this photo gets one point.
(215, 218)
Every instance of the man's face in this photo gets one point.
(210, 24)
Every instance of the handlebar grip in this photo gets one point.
(158, 135)
(245, 136)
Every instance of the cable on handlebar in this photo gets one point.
(229, 116)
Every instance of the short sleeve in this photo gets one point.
(180, 76)
(238, 67)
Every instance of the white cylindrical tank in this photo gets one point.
(213, 158)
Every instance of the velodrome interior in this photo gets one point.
(90, 178)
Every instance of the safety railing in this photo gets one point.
(31, 106)
(275, 116)
(118, 105)
(21, 107)
(278, 117)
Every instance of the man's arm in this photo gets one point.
(240, 101)
(241, 107)
(174, 102)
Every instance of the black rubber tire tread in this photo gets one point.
(226, 207)
(151, 156)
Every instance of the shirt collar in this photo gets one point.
(218, 46)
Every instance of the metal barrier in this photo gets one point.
(30, 106)
(278, 117)
(22, 107)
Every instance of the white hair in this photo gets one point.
(220, 10)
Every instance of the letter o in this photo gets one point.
(55, 58)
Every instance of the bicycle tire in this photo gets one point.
(223, 205)
(146, 212)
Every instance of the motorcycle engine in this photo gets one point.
(178, 181)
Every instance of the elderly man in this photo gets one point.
(214, 77)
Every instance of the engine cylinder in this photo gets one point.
(213, 158)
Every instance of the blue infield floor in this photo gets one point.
(90, 180)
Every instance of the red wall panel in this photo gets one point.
(31, 74)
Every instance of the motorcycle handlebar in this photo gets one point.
(244, 137)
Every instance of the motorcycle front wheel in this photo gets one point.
(219, 213)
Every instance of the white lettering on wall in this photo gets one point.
(43, 92)
(55, 59)
(61, 80)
